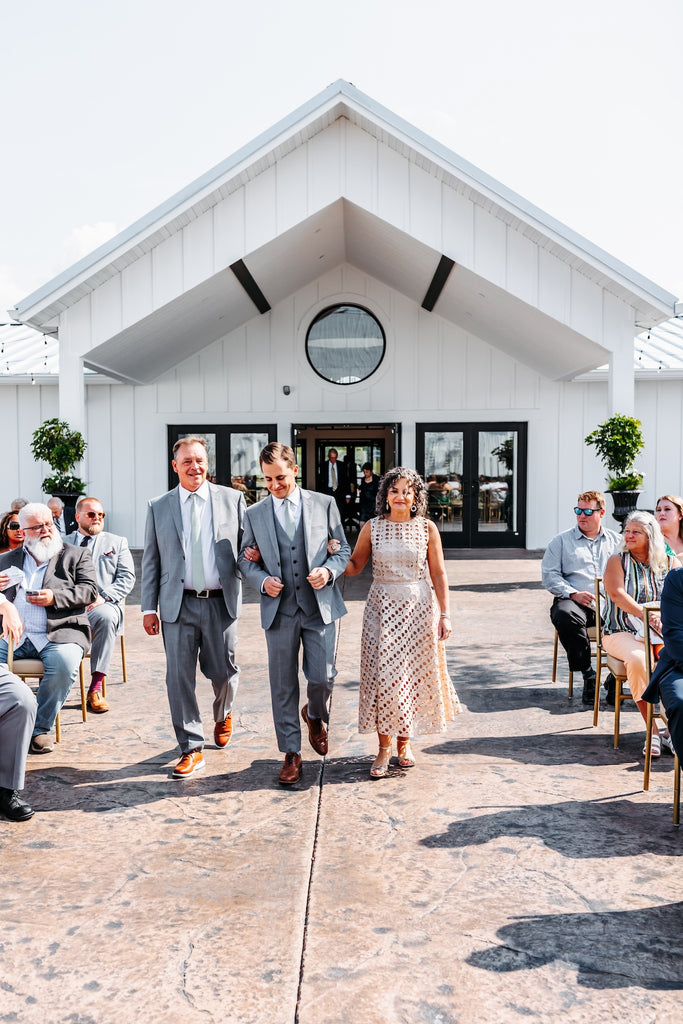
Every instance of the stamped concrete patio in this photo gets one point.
(519, 872)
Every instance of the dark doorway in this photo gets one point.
(355, 445)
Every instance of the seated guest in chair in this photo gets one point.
(17, 715)
(667, 679)
(115, 579)
(570, 564)
(634, 577)
(51, 587)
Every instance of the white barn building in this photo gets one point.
(346, 281)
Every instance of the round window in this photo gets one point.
(345, 344)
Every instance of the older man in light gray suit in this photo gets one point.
(115, 579)
(17, 714)
(285, 556)
(189, 568)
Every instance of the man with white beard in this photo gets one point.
(51, 587)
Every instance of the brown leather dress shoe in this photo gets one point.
(317, 733)
(96, 702)
(188, 764)
(291, 770)
(222, 731)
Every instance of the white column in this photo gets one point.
(71, 388)
(620, 334)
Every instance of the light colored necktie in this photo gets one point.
(198, 580)
(290, 528)
(334, 477)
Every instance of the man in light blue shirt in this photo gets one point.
(570, 564)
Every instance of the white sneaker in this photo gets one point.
(656, 746)
(666, 743)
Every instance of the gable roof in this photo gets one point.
(341, 99)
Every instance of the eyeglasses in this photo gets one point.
(39, 526)
(587, 511)
(14, 526)
(94, 515)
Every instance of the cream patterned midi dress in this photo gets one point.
(405, 688)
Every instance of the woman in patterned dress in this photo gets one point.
(404, 684)
(633, 577)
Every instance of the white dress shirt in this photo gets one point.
(211, 577)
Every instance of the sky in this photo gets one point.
(111, 107)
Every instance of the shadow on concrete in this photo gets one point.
(579, 830)
(610, 950)
(589, 748)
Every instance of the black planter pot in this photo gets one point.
(624, 503)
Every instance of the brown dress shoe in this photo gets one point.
(96, 702)
(291, 769)
(188, 764)
(317, 733)
(222, 731)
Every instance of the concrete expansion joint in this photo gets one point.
(304, 939)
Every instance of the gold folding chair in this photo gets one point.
(33, 668)
(661, 714)
(616, 667)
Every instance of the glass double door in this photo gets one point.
(476, 480)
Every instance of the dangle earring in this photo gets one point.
(387, 507)
(413, 509)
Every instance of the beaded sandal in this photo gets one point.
(405, 754)
(380, 765)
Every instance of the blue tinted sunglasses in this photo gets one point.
(586, 511)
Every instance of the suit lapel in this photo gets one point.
(267, 510)
(214, 498)
(176, 517)
(307, 513)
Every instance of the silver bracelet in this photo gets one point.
(445, 615)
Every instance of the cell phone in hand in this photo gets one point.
(32, 593)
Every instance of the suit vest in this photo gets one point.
(297, 593)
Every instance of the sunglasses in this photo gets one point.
(14, 526)
(94, 515)
(587, 511)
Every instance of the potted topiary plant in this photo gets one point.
(618, 441)
(61, 447)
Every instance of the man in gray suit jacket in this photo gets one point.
(189, 569)
(17, 715)
(51, 586)
(115, 579)
(285, 557)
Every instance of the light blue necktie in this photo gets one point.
(198, 578)
(290, 528)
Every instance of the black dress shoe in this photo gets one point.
(13, 807)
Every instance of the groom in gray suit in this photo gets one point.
(285, 557)
(189, 567)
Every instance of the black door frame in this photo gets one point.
(470, 537)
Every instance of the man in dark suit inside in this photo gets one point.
(51, 587)
(189, 570)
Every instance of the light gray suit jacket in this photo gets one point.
(163, 558)
(113, 564)
(321, 523)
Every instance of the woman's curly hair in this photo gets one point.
(415, 481)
